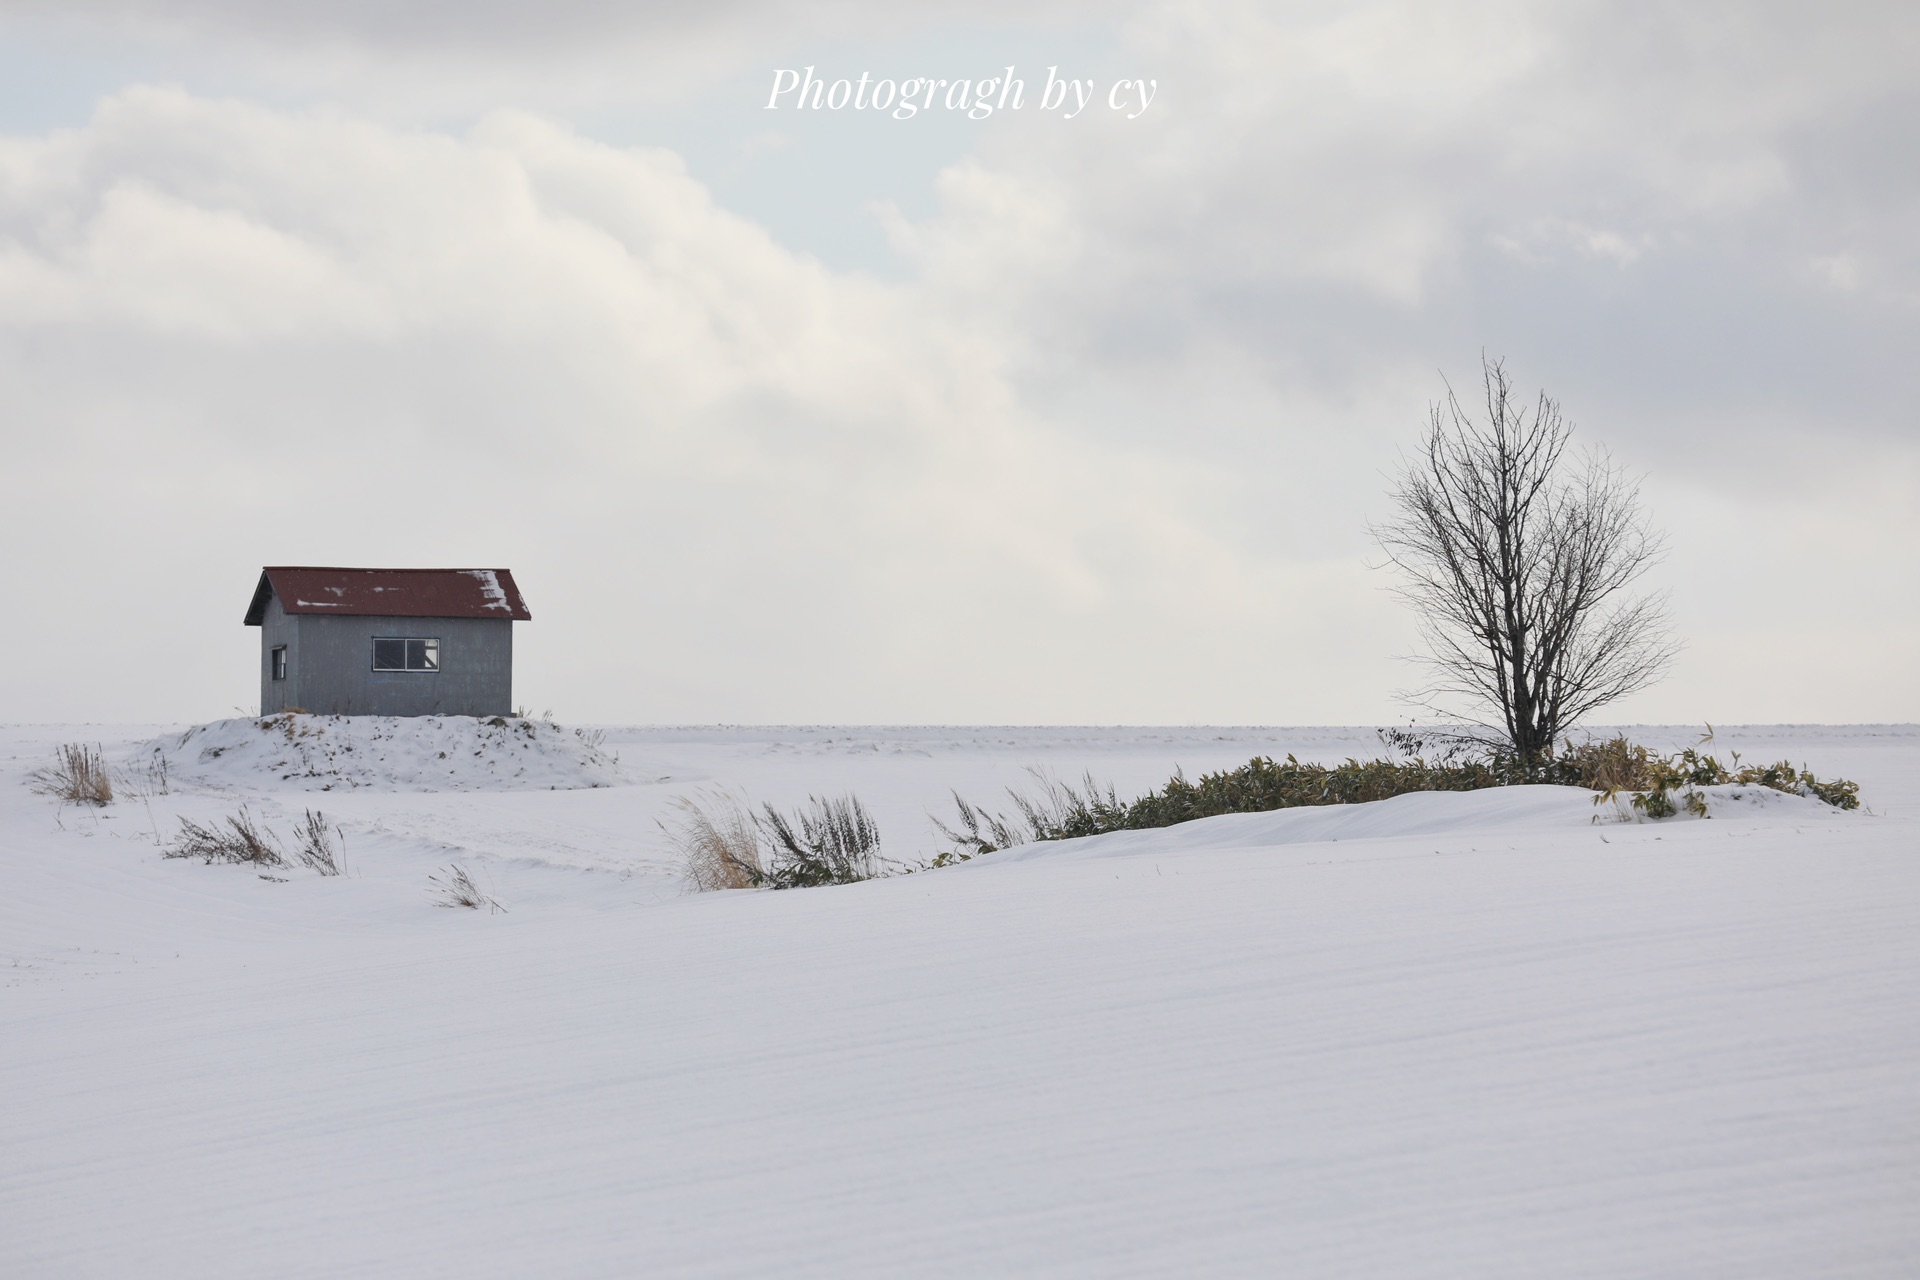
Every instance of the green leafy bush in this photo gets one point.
(1616, 765)
(1063, 810)
(1611, 766)
(1263, 784)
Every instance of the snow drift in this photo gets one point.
(1480, 1036)
(1497, 810)
(394, 753)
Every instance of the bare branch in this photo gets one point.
(1518, 558)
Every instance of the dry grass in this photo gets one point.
(148, 779)
(293, 723)
(834, 840)
(453, 887)
(1606, 764)
(724, 845)
(241, 839)
(319, 846)
(595, 741)
(77, 776)
(978, 831)
(238, 839)
(717, 842)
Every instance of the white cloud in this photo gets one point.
(749, 485)
(1108, 449)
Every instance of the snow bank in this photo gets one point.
(1423, 813)
(393, 753)
(1536, 1046)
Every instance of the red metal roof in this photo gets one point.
(392, 593)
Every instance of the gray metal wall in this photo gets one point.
(276, 628)
(330, 666)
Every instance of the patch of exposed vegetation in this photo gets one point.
(717, 842)
(723, 844)
(241, 838)
(454, 887)
(1611, 766)
(319, 845)
(238, 838)
(78, 775)
(830, 841)
(1617, 766)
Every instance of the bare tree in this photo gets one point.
(1518, 558)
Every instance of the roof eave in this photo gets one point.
(257, 611)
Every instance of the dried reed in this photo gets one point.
(77, 776)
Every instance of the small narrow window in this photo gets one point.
(404, 654)
(279, 662)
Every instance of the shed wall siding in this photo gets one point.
(278, 628)
(330, 666)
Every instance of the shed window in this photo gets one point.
(396, 654)
(279, 662)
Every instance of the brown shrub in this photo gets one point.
(717, 842)
(77, 776)
(318, 848)
(239, 839)
(453, 887)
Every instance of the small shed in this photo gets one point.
(386, 642)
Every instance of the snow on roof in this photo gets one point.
(489, 580)
(391, 593)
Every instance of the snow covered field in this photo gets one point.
(1464, 1035)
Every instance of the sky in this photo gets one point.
(815, 416)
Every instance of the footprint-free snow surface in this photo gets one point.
(1501, 1034)
(391, 753)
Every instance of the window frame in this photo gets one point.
(429, 653)
(277, 662)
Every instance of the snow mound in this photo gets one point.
(1421, 813)
(1729, 800)
(390, 753)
